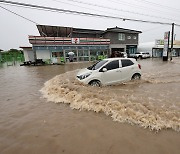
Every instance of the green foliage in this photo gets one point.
(12, 55)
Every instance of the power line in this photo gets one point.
(114, 9)
(19, 15)
(83, 13)
(80, 6)
(41, 9)
(147, 30)
(137, 6)
(156, 4)
(177, 24)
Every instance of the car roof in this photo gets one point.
(117, 58)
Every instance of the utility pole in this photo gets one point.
(172, 41)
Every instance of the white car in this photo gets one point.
(110, 71)
(141, 55)
(148, 55)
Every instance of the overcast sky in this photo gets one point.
(14, 30)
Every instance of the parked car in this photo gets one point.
(148, 55)
(141, 55)
(110, 71)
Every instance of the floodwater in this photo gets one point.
(45, 110)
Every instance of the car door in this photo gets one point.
(127, 69)
(112, 74)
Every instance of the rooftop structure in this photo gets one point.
(60, 31)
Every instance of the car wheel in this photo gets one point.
(95, 83)
(136, 77)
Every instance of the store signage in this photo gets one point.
(75, 41)
(159, 42)
(166, 44)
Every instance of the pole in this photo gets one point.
(172, 41)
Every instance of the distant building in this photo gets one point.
(56, 43)
(157, 50)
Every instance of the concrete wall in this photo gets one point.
(28, 55)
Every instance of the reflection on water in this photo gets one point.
(153, 102)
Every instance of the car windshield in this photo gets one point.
(97, 65)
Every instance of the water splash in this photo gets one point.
(128, 102)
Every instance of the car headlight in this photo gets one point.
(81, 77)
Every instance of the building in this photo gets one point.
(61, 44)
(123, 40)
(157, 50)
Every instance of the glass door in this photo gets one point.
(83, 55)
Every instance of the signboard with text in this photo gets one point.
(166, 45)
(159, 42)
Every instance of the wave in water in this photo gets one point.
(122, 103)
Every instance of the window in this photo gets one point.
(57, 54)
(134, 37)
(126, 62)
(121, 36)
(97, 65)
(54, 54)
(112, 65)
(86, 53)
(128, 37)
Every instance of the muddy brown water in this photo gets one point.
(45, 110)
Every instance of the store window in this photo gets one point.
(57, 54)
(86, 53)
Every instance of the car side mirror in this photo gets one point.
(104, 69)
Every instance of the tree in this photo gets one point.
(13, 50)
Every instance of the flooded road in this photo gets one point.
(105, 120)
